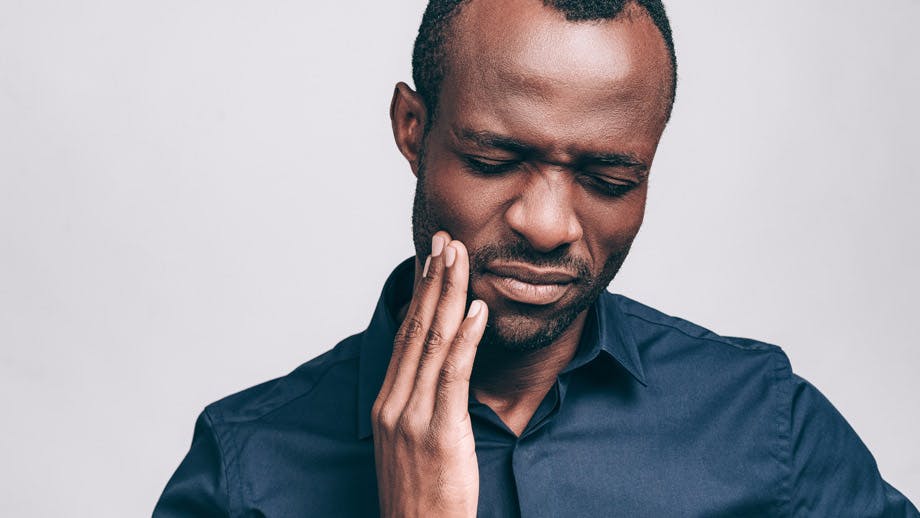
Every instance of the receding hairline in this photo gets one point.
(630, 11)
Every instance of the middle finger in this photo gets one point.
(447, 318)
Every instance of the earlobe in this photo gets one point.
(408, 116)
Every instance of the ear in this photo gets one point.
(408, 116)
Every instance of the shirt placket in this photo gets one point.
(532, 479)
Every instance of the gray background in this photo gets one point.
(196, 196)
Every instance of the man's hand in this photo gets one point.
(423, 439)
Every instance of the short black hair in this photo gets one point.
(430, 52)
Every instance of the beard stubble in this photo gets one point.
(505, 330)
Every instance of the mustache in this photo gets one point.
(521, 252)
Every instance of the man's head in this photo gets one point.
(532, 137)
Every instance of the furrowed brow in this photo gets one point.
(626, 160)
(487, 139)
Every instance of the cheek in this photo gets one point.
(467, 207)
(611, 226)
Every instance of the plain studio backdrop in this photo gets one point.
(197, 196)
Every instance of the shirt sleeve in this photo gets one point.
(199, 486)
(833, 473)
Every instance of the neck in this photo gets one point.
(513, 383)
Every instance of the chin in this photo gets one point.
(518, 332)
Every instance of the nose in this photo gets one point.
(544, 213)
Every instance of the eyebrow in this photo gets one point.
(487, 139)
(626, 160)
(494, 140)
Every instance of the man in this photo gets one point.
(497, 376)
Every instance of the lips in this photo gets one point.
(531, 275)
(528, 285)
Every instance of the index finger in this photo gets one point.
(407, 346)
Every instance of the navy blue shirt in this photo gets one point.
(654, 416)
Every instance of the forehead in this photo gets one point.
(517, 65)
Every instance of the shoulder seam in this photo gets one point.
(719, 339)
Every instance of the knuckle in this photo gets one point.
(461, 336)
(428, 280)
(403, 433)
(409, 428)
(445, 383)
(411, 330)
(434, 340)
(450, 371)
(435, 337)
(385, 418)
(448, 286)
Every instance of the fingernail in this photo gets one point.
(475, 308)
(437, 246)
(425, 269)
(450, 256)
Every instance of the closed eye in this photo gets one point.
(489, 167)
(600, 184)
(607, 188)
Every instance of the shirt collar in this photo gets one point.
(605, 332)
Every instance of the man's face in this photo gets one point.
(538, 158)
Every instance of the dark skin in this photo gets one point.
(545, 133)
